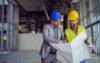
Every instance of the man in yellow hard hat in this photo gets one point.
(74, 29)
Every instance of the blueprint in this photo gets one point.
(73, 52)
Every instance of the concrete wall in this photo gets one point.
(30, 41)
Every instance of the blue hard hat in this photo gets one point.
(55, 15)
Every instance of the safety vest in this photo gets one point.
(70, 35)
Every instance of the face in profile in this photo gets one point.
(56, 23)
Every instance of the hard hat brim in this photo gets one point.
(56, 19)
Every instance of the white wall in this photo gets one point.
(30, 41)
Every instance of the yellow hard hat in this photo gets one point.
(73, 15)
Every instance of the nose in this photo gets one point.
(72, 22)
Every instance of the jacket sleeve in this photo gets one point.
(46, 35)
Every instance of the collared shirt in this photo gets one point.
(55, 32)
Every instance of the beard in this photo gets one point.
(74, 26)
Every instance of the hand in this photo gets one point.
(64, 41)
(61, 41)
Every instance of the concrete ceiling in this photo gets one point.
(33, 5)
(34, 8)
(37, 5)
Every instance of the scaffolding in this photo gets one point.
(90, 17)
(99, 33)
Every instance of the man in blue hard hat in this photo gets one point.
(51, 34)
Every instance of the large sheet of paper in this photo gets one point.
(73, 52)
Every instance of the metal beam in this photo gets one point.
(46, 13)
(91, 25)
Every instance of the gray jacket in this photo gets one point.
(48, 37)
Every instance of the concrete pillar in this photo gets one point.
(29, 23)
(81, 11)
(2, 26)
(84, 12)
(36, 28)
(10, 17)
(90, 30)
(90, 9)
(15, 27)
